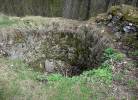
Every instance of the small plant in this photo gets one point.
(131, 83)
(135, 53)
(102, 74)
(118, 56)
(42, 78)
(110, 53)
(55, 77)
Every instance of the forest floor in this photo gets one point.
(129, 74)
(115, 79)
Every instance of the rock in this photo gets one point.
(110, 17)
(128, 13)
(115, 19)
(49, 66)
(110, 24)
(129, 28)
(3, 53)
(101, 18)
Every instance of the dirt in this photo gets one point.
(131, 74)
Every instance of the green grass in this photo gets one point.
(19, 81)
(76, 88)
(113, 54)
(6, 21)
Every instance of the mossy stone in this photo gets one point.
(129, 13)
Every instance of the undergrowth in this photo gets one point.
(134, 53)
(25, 83)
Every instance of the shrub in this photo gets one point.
(111, 53)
